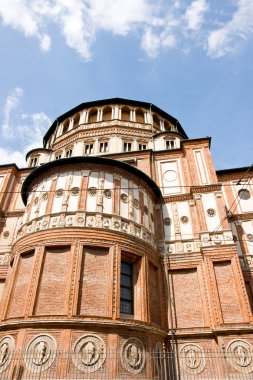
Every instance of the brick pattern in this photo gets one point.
(187, 298)
(21, 286)
(250, 295)
(52, 289)
(229, 302)
(153, 294)
(92, 297)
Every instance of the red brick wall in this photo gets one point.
(229, 302)
(92, 298)
(187, 299)
(21, 286)
(250, 295)
(51, 294)
(153, 295)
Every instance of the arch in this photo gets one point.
(139, 115)
(92, 115)
(167, 126)
(76, 120)
(65, 126)
(156, 121)
(107, 113)
(125, 113)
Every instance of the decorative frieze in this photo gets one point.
(89, 220)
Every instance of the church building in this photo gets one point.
(124, 253)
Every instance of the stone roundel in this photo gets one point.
(170, 176)
(192, 359)
(133, 356)
(6, 351)
(240, 355)
(40, 353)
(89, 353)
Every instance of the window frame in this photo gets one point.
(123, 300)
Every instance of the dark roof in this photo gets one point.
(97, 103)
(89, 160)
(233, 170)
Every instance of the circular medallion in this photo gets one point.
(244, 194)
(239, 354)
(211, 212)
(249, 237)
(145, 210)
(6, 351)
(170, 176)
(40, 353)
(192, 359)
(75, 191)
(107, 193)
(136, 203)
(6, 234)
(133, 356)
(45, 196)
(89, 353)
(184, 219)
(124, 198)
(167, 221)
(92, 191)
(59, 192)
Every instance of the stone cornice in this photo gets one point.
(81, 323)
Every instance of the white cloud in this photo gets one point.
(19, 129)
(160, 25)
(194, 15)
(227, 39)
(11, 103)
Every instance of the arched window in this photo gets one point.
(76, 120)
(92, 116)
(139, 116)
(125, 113)
(65, 127)
(107, 113)
(156, 121)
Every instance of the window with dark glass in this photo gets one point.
(89, 149)
(126, 288)
(127, 147)
(103, 147)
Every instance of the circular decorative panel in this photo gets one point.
(192, 359)
(89, 353)
(59, 192)
(6, 351)
(211, 212)
(133, 355)
(92, 191)
(75, 191)
(107, 193)
(244, 194)
(184, 219)
(40, 353)
(239, 354)
(170, 176)
(124, 198)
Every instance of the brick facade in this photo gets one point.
(165, 213)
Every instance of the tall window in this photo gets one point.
(69, 153)
(126, 288)
(170, 144)
(127, 147)
(89, 149)
(34, 161)
(57, 156)
(103, 147)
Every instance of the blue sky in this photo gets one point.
(192, 58)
